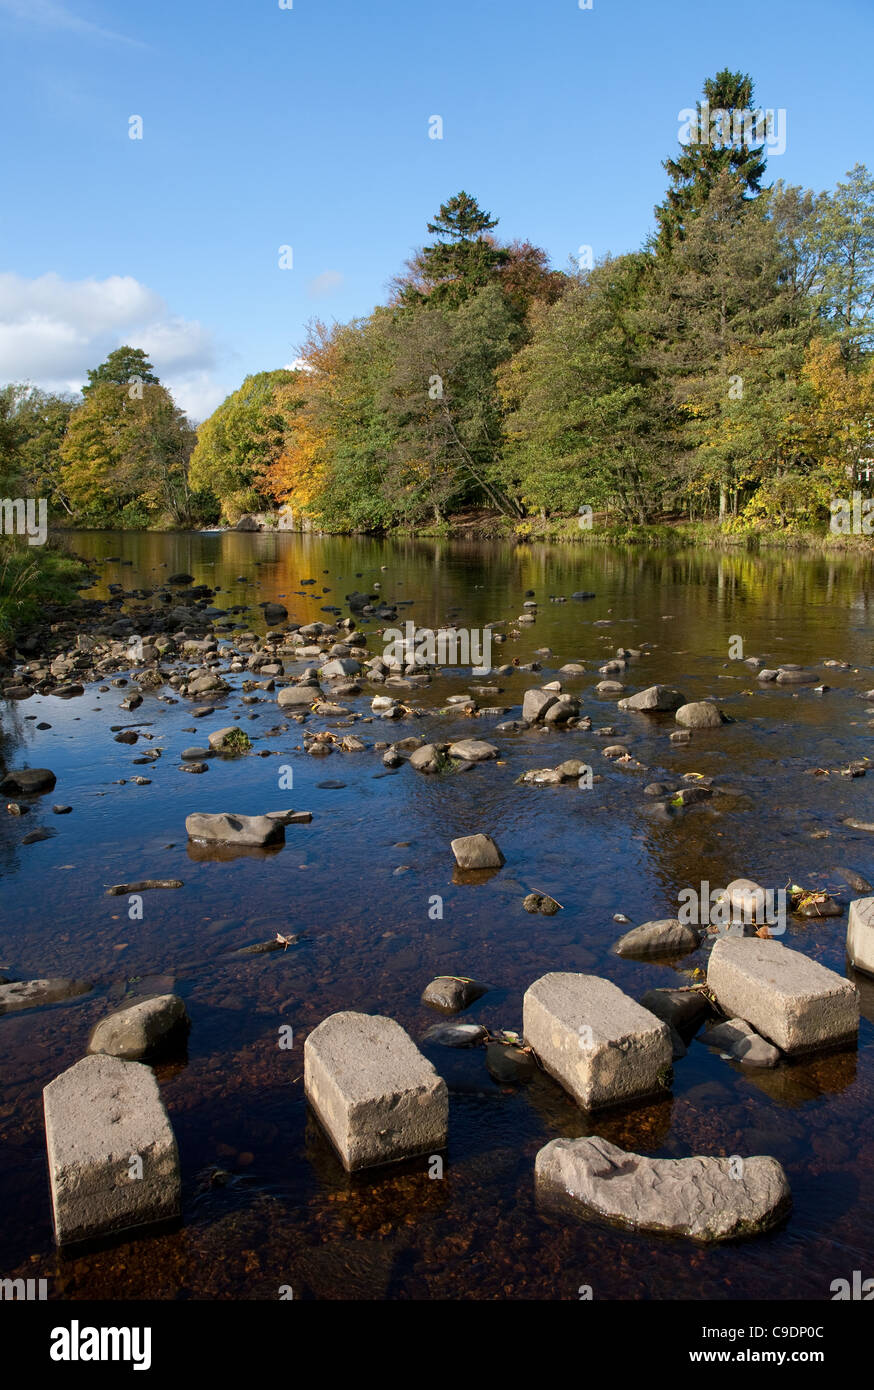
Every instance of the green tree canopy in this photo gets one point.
(238, 443)
(120, 368)
(125, 457)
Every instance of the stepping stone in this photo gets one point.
(377, 1097)
(105, 1121)
(707, 1199)
(600, 1044)
(790, 999)
(860, 935)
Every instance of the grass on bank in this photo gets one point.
(30, 578)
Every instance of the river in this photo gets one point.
(266, 1204)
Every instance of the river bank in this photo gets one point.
(485, 525)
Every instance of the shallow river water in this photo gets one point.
(266, 1202)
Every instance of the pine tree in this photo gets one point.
(720, 139)
(463, 259)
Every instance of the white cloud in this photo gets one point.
(45, 14)
(326, 283)
(300, 364)
(197, 394)
(53, 330)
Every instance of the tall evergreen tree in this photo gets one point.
(725, 330)
(719, 139)
(463, 259)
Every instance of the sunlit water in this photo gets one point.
(286, 1213)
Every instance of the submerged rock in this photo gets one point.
(452, 993)
(656, 699)
(666, 937)
(473, 750)
(149, 1028)
(28, 781)
(476, 852)
(742, 1043)
(683, 1009)
(700, 714)
(541, 902)
(30, 994)
(228, 828)
(455, 1034)
(508, 1064)
(794, 675)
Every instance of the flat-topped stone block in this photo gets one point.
(787, 997)
(602, 1046)
(860, 935)
(113, 1161)
(378, 1098)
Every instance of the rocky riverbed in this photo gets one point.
(357, 828)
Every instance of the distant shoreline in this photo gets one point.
(560, 530)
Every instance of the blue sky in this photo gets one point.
(308, 127)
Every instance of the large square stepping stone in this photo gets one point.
(601, 1045)
(860, 935)
(787, 997)
(113, 1161)
(378, 1098)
